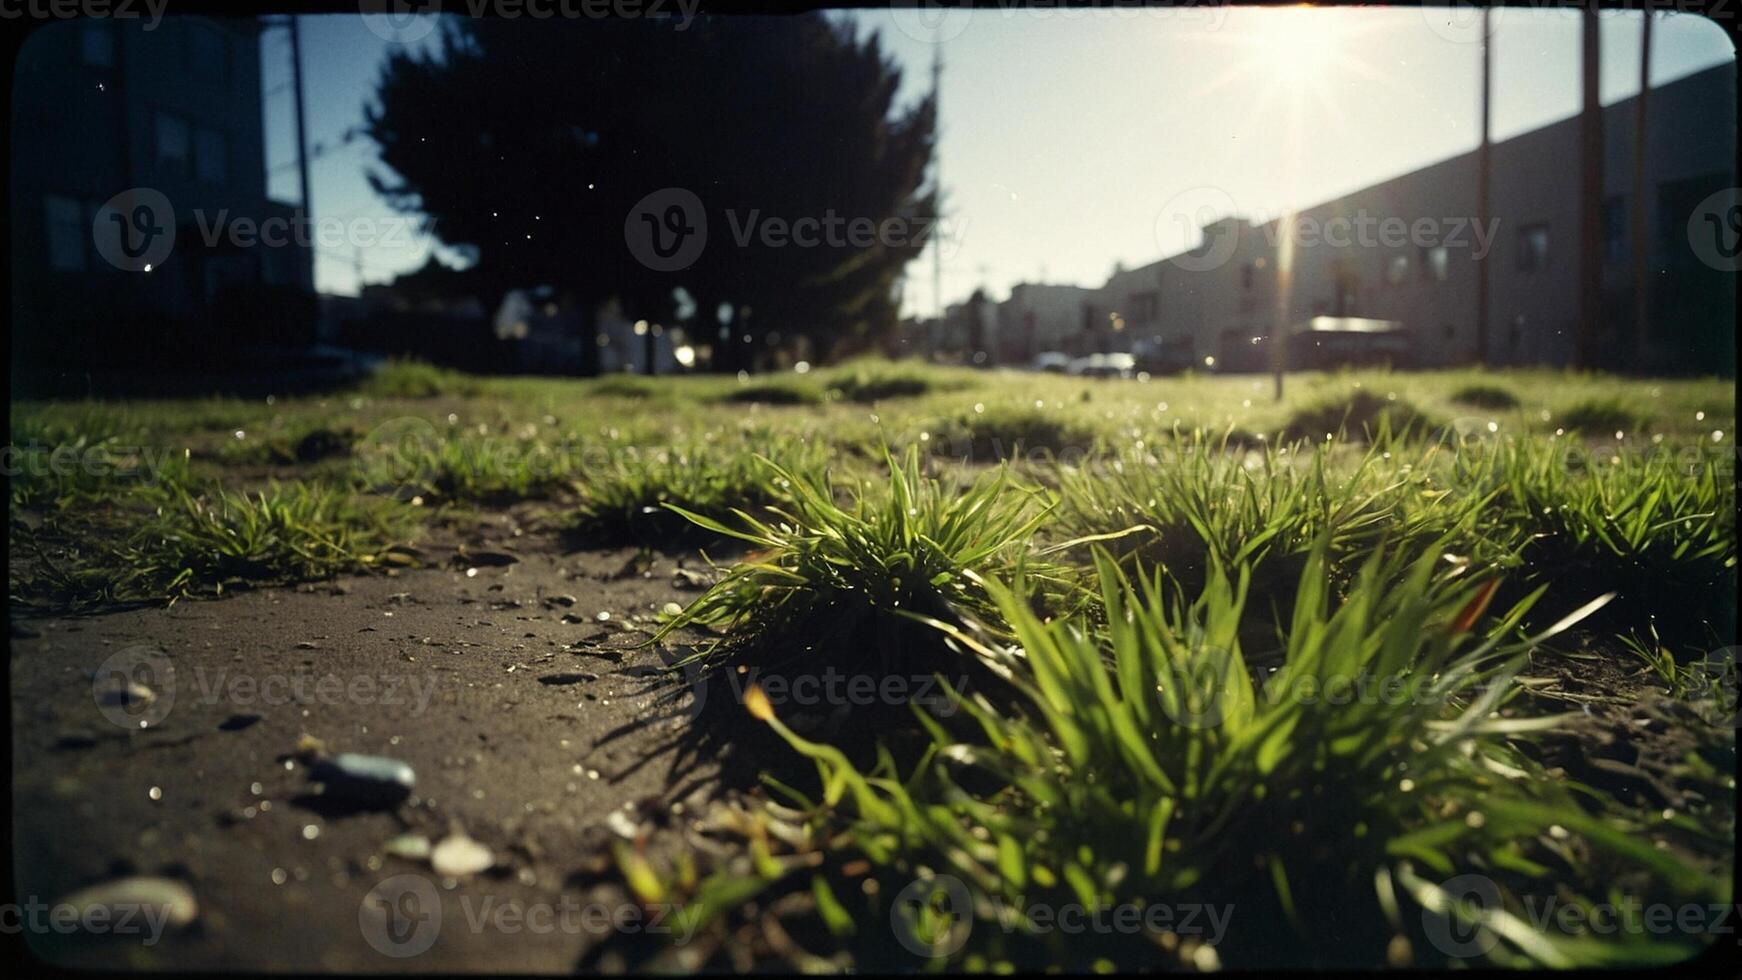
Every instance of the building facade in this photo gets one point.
(106, 106)
(1410, 250)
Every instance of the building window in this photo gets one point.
(1397, 269)
(1248, 275)
(172, 144)
(211, 156)
(208, 54)
(1615, 230)
(1435, 263)
(1532, 248)
(1144, 306)
(67, 233)
(97, 45)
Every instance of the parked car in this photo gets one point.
(1115, 365)
(1054, 361)
(1325, 342)
(1165, 357)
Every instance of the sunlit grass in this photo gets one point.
(1147, 765)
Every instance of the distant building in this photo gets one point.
(546, 334)
(103, 106)
(1038, 317)
(1219, 302)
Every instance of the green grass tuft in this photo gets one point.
(625, 497)
(1602, 416)
(1362, 416)
(775, 392)
(1325, 805)
(1487, 396)
(848, 581)
(204, 542)
(410, 378)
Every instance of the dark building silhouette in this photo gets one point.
(1219, 306)
(104, 106)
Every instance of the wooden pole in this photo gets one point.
(1590, 195)
(1484, 173)
(1641, 239)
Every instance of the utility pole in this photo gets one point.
(1484, 173)
(937, 164)
(1641, 246)
(301, 129)
(1590, 195)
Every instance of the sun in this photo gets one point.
(1293, 43)
(1292, 55)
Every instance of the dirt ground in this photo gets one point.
(512, 679)
(513, 676)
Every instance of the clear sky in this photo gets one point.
(1067, 135)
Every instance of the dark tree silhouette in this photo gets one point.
(527, 146)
